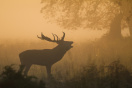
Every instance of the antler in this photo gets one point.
(43, 37)
(62, 39)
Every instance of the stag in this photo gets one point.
(45, 57)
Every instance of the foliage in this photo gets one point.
(115, 75)
(95, 14)
(11, 78)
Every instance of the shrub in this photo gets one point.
(115, 75)
(11, 78)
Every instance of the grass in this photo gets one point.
(114, 75)
(75, 69)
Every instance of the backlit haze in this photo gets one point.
(21, 19)
(21, 22)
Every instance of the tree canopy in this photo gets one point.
(95, 14)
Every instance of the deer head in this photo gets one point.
(60, 42)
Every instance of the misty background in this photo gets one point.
(101, 33)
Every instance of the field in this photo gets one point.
(87, 64)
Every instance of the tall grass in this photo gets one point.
(87, 65)
(115, 75)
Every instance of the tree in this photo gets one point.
(93, 14)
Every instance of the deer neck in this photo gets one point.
(60, 49)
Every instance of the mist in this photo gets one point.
(21, 22)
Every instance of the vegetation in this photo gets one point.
(94, 14)
(11, 78)
(115, 75)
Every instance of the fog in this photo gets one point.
(20, 24)
(89, 51)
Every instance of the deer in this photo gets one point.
(45, 57)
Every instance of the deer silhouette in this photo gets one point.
(45, 57)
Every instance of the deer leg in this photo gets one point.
(27, 69)
(48, 68)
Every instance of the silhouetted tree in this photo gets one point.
(94, 14)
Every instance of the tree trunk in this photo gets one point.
(115, 27)
(129, 22)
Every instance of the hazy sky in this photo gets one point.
(22, 19)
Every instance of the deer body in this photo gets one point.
(45, 57)
(49, 56)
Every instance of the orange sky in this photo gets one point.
(22, 19)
